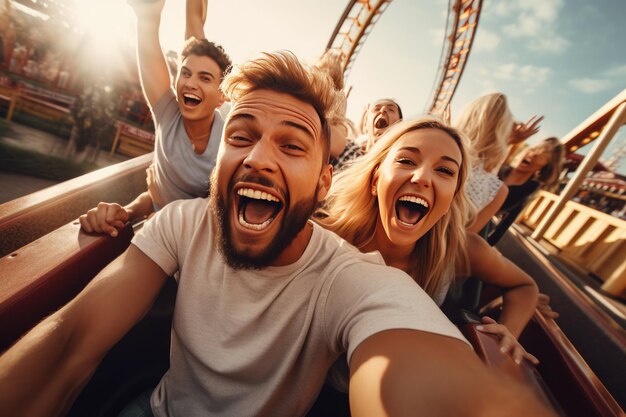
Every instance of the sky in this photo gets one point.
(563, 60)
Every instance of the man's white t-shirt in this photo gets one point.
(180, 173)
(260, 342)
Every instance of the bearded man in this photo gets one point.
(266, 300)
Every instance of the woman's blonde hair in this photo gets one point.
(331, 62)
(487, 122)
(351, 210)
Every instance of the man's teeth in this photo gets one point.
(415, 200)
(256, 194)
(192, 96)
(261, 226)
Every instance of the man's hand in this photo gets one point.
(522, 131)
(106, 218)
(147, 8)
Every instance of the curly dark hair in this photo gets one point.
(204, 47)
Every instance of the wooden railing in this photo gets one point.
(30, 217)
(592, 240)
(26, 101)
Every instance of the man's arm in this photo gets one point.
(153, 72)
(108, 217)
(43, 373)
(409, 372)
(195, 11)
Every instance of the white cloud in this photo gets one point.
(505, 71)
(590, 85)
(529, 77)
(617, 71)
(488, 86)
(534, 20)
(556, 44)
(526, 26)
(502, 8)
(436, 36)
(546, 10)
(486, 40)
(534, 75)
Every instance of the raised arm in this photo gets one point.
(44, 372)
(195, 11)
(153, 72)
(408, 372)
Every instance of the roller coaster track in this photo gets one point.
(460, 31)
(360, 16)
(353, 28)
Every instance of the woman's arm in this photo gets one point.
(519, 298)
(520, 290)
(483, 216)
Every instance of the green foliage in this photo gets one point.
(4, 127)
(61, 129)
(94, 113)
(26, 162)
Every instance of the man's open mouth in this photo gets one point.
(191, 99)
(411, 209)
(381, 123)
(257, 209)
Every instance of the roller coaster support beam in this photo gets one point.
(617, 120)
(355, 25)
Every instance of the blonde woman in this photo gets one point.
(487, 123)
(406, 199)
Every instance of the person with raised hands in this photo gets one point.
(188, 125)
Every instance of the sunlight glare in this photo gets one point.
(106, 23)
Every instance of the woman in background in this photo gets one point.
(405, 198)
(538, 166)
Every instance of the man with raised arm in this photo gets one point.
(188, 126)
(266, 299)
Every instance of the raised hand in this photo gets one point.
(508, 343)
(522, 131)
(147, 8)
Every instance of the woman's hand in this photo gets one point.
(508, 342)
(522, 131)
(543, 306)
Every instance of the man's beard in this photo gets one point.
(293, 221)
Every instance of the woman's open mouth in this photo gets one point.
(257, 209)
(411, 209)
